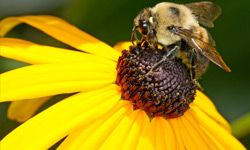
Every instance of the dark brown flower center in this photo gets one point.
(167, 90)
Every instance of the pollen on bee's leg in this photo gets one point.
(167, 90)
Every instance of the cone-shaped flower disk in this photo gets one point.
(119, 104)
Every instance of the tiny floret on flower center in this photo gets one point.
(163, 90)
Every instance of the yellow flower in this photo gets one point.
(95, 117)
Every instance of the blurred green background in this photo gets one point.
(111, 21)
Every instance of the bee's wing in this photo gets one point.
(204, 48)
(206, 12)
(211, 53)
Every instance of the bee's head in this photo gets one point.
(145, 23)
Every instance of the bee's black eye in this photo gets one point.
(143, 26)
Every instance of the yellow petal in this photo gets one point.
(93, 140)
(123, 45)
(190, 135)
(25, 109)
(168, 134)
(206, 105)
(132, 138)
(62, 31)
(51, 125)
(120, 132)
(164, 137)
(32, 53)
(50, 79)
(215, 131)
(146, 139)
(84, 133)
(175, 124)
(159, 139)
(76, 137)
(209, 140)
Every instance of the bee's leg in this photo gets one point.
(165, 56)
(171, 50)
(192, 61)
(198, 85)
(133, 35)
(193, 69)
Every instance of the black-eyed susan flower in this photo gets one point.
(96, 117)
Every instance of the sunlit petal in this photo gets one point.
(190, 135)
(132, 138)
(51, 79)
(62, 31)
(32, 53)
(146, 139)
(216, 131)
(104, 130)
(83, 136)
(159, 138)
(168, 134)
(51, 125)
(174, 123)
(210, 141)
(120, 132)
